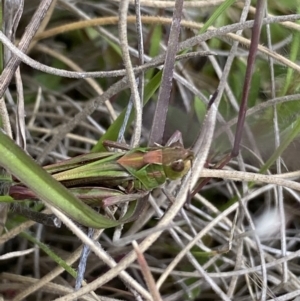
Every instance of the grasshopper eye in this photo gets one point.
(177, 166)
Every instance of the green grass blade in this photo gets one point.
(113, 131)
(154, 47)
(293, 57)
(51, 254)
(294, 132)
(216, 15)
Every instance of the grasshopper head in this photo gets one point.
(176, 161)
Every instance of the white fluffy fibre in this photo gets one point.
(268, 223)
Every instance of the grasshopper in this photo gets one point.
(109, 178)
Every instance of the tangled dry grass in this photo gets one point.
(84, 63)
